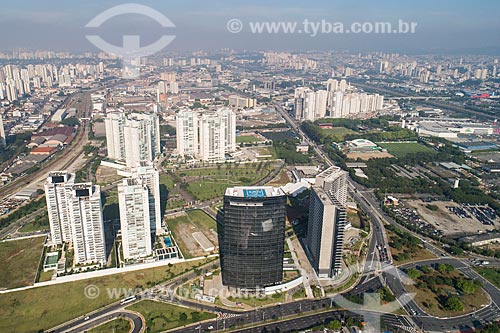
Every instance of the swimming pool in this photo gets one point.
(168, 241)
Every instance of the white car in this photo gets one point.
(210, 327)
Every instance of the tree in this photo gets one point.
(183, 316)
(413, 273)
(445, 268)
(468, 286)
(335, 325)
(453, 303)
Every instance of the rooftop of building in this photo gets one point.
(254, 191)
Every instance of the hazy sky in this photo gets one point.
(443, 25)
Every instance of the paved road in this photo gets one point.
(82, 324)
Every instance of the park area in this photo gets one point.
(443, 291)
(42, 308)
(185, 224)
(209, 183)
(401, 149)
(162, 316)
(20, 260)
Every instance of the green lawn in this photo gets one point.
(119, 325)
(490, 274)
(19, 260)
(247, 139)
(162, 316)
(401, 149)
(45, 307)
(337, 133)
(202, 219)
(45, 276)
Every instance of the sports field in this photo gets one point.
(401, 149)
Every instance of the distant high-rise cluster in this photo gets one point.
(206, 135)
(16, 81)
(334, 102)
(288, 60)
(168, 84)
(132, 138)
(242, 102)
(327, 221)
(309, 104)
(75, 216)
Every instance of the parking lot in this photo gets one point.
(452, 218)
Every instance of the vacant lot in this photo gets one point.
(183, 227)
(401, 149)
(446, 221)
(45, 307)
(20, 259)
(162, 316)
(116, 326)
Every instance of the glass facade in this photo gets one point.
(251, 233)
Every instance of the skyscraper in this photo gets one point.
(133, 199)
(327, 221)
(58, 196)
(251, 232)
(3, 138)
(87, 224)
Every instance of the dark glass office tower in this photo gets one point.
(251, 232)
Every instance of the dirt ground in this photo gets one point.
(447, 221)
(368, 155)
(106, 175)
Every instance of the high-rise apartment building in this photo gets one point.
(132, 138)
(207, 135)
(327, 221)
(75, 216)
(58, 196)
(134, 202)
(251, 232)
(310, 105)
(87, 224)
(115, 138)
